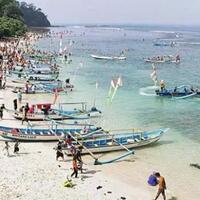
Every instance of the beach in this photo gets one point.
(34, 173)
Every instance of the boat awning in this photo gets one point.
(46, 105)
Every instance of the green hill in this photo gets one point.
(33, 16)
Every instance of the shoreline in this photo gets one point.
(35, 174)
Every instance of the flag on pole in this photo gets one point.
(114, 85)
(153, 75)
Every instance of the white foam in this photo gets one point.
(146, 90)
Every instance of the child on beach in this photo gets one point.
(79, 158)
(15, 104)
(1, 111)
(7, 148)
(75, 168)
(19, 96)
(59, 152)
(16, 147)
(25, 112)
(161, 186)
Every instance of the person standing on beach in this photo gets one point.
(25, 111)
(15, 104)
(79, 158)
(16, 147)
(7, 148)
(19, 96)
(59, 152)
(161, 186)
(75, 167)
(1, 111)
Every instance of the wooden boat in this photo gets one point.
(42, 88)
(108, 57)
(179, 92)
(33, 71)
(35, 78)
(163, 59)
(46, 135)
(42, 112)
(114, 142)
(83, 111)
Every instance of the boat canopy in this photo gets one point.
(46, 105)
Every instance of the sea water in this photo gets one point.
(129, 109)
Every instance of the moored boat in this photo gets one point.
(42, 112)
(113, 142)
(47, 135)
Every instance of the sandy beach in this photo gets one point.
(34, 174)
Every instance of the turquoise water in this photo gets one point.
(129, 108)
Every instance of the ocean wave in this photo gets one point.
(167, 32)
(104, 27)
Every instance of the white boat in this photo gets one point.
(108, 57)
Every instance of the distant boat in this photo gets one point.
(108, 57)
(162, 43)
(163, 59)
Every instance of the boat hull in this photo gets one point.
(109, 57)
(40, 117)
(129, 140)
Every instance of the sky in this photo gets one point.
(177, 12)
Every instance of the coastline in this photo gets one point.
(35, 174)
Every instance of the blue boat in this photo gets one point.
(117, 141)
(180, 92)
(48, 135)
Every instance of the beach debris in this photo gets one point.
(99, 187)
(68, 183)
(123, 198)
(59, 166)
(173, 198)
(196, 165)
(109, 192)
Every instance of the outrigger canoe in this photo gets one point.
(42, 112)
(179, 92)
(115, 142)
(47, 135)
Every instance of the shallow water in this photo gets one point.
(129, 108)
(180, 146)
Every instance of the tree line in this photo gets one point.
(15, 17)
